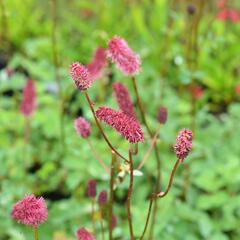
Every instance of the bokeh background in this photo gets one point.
(190, 64)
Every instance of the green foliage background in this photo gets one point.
(211, 208)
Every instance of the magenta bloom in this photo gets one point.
(83, 234)
(124, 100)
(28, 104)
(30, 211)
(92, 188)
(127, 126)
(102, 198)
(82, 127)
(183, 144)
(81, 76)
(162, 115)
(98, 64)
(120, 53)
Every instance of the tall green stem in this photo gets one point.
(151, 134)
(129, 196)
(35, 233)
(111, 198)
(56, 73)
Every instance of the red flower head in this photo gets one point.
(83, 234)
(120, 53)
(127, 126)
(92, 188)
(28, 104)
(30, 211)
(98, 63)
(124, 100)
(183, 144)
(162, 115)
(102, 198)
(82, 127)
(81, 76)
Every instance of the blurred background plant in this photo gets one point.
(190, 64)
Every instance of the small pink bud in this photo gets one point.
(183, 144)
(92, 188)
(124, 57)
(30, 211)
(28, 104)
(127, 126)
(83, 234)
(124, 100)
(162, 115)
(82, 127)
(102, 198)
(81, 76)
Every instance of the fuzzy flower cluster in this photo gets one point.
(92, 188)
(82, 127)
(83, 234)
(162, 115)
(98, 63)
(183, 144)
(124, 57)
(30, 211)
(81, 76)
(124, 100)
(28, 104)
(127, 126)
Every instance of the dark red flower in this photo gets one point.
(92, 188)
(127, 126)
(28, 104)
(162, 115)
(124, 100)
(183, 144)
(102, 198)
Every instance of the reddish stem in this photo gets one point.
(101, 130)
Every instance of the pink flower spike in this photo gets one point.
(183, 144)
(81, 76)
(82, 127)
(127, 126)
(162, 115)
(30, 211)
(92, 188)
(83, 234)
(124, 57)
(28, 104)
(99, 62)
(124, 100)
